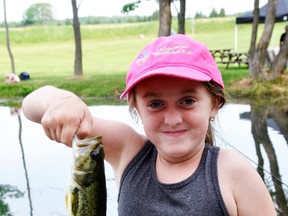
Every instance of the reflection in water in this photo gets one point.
(16, 111)
(49, 163)
(261, 118)
(5, 192)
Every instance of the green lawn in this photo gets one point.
(47, 53)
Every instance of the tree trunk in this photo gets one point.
(257, 69)
(8, 40)
(78, 70)
(165, 18)
(252, 48)
(181, 17)
(279, 64)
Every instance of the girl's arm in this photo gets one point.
(62, 114)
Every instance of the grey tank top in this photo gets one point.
(141, 194)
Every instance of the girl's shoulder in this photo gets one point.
(234, 163)
(241, 185)
(233, 157)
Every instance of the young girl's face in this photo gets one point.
(175, 114)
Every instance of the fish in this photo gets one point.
(87, 194)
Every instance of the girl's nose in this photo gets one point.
(172, 117)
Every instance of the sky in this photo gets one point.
(62, 9)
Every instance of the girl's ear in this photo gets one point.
(216, 104)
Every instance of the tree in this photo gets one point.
(213, 13)
(40, 13)
(279, 64)
(165, 17)
(252, 48)
(222, 13)
(8, 40)
(181, 16)
(199, 15)
(78, 68)
(258, 53)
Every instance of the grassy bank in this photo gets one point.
(47, 54)
(99, 85)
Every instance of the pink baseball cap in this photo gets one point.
(177, 56)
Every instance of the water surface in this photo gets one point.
(39, 167)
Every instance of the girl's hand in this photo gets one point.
(61, 113)
(65, 118)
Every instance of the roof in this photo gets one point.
(281, 14)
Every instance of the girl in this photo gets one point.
(176, 89)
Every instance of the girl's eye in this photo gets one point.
(187, 101)
(155, 104)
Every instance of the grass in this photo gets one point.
(47, 54)
(261, 92)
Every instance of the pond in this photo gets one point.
(35, 171)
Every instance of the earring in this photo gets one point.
(212, 119)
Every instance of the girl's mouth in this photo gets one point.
(175, 132)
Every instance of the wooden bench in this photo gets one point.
(225, 56)
(237, 58)
(219, 54)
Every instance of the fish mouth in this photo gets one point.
(87, 141)
(88, 144)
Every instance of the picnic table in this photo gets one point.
(236, 58)
(226, 56)
(219, 54)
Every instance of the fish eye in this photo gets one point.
(95, 154)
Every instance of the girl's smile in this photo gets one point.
(175, 132)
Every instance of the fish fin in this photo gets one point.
(72, 201)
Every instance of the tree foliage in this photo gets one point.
(130, 6)
(8, 191)
(213, 13)
(39, 13)
(222, 13)
(199, 15)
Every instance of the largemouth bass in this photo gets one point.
(87, 195)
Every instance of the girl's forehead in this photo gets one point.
(169, 86)
(167, 82)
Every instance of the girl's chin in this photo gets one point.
(174, 153)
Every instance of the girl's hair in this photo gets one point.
(219, 97)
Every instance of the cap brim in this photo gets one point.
(178, 72)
